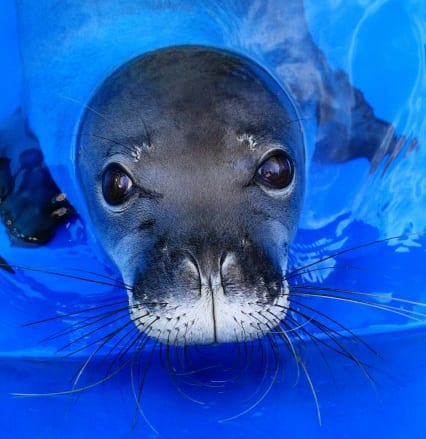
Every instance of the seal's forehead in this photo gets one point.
(191, 99)
(197, 62)
(189, 78)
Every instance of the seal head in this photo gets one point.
(191, 161)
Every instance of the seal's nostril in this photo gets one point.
(190, 266)
(228, 261)
(222, 260)
(191, 259)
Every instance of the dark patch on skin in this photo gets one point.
(148, 224)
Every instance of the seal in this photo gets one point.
(192, 165)
(191, 161)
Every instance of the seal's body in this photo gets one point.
(191, 162)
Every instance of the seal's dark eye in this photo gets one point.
(276, 171)
(116, 185)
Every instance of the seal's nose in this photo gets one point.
(208, 266)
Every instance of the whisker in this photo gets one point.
(338, 324)
(76, 390)
(287, 341)
(88, 321)
(138, 395)
(94, 342)
(125, 349)
(312, 387)
(89, 358)
(293, 273)
(133, 341)
(340, 267)
(334, 336)
(94, 308)
(97, 113)
(172, 374)
(264, 394)
(359, 293)
(96, 136)
(141, 338)
(248, 355)
(316, 342)
(70, 276)
(392, 309)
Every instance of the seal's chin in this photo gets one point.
(214, 317)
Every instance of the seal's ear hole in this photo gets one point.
(276, 171)
(117, 185)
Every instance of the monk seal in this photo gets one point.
(191, 161)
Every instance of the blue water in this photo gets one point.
(381, 46)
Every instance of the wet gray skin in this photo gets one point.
(191, 161)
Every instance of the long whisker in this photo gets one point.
(138, 394)
(266, 391)
(334, 336)
(413, 315)
(125, 349)
(293, 273)
(172, 374)
(70, 276)
(97, 113)
(338, 324)
(359, 293)
(79, 389)
(282, 334)
(94, 342)
(127, 147)
(312, 387)
(89, 358)
(339, 267)
(88, 321)
(91, 309)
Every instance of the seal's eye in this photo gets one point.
(276, 171)
(117, 185)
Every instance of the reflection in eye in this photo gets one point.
(276, 171)
(117, 185)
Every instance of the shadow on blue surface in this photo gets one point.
(350, 405)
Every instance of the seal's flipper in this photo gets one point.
(6, 184)
(31, 204)
(348, 127)
(5, 266)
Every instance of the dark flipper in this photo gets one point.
(31, 205)
(5, 266)
(348, 128)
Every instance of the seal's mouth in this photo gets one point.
(187, 303)
(214, 318)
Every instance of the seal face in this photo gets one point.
(191, 161)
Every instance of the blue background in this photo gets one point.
(381, 46)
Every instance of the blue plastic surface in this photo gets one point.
(381, 44)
